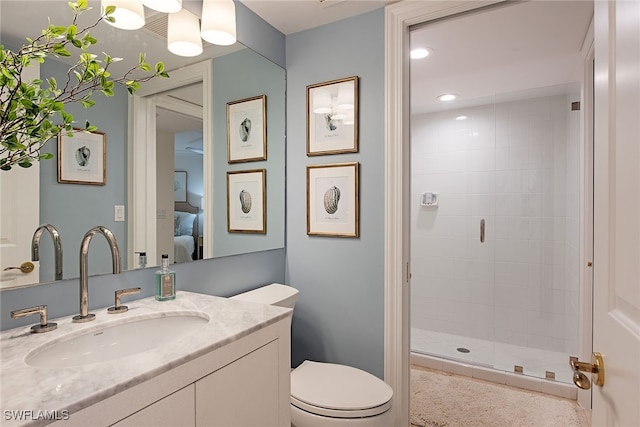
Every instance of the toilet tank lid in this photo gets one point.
(273, 294)
(338, 387)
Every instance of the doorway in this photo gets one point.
(143, 154)
(400, 21)
(496, 276)
(179, 168)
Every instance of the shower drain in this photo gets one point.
(463, 350)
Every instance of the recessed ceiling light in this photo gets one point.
(420, 53)
(461, 118)
(447, 97)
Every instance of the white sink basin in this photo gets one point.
(115, 340)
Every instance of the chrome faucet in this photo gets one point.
(57, 247)
(84, 315)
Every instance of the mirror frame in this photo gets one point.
(142, 153)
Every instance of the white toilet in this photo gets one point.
(327, 394)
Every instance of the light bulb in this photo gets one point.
(447, 97)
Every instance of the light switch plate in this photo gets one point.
(118, 213)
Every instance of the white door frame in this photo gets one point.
(585, 315)
(399, 18)
(142, 155)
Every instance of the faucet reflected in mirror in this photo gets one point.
(84, 315)
(57, 247)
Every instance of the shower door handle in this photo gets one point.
(482, 230)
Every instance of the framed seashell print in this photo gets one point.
(246, 201)
(180, 186)
(332, 117)
(82, 158)
(247, 130)
(333, 207)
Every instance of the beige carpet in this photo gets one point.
(439, 399)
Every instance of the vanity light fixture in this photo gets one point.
(129, 14)
(183, 35)
(219, 22)
(340, 107)
(460, 118)
(345, 97)
(447, 97)
(166, 6)
(349, 118)
(322, 101)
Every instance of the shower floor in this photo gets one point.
(503, 357)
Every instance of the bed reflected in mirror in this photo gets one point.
(186, 234)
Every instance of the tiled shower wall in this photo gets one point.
(515, 165)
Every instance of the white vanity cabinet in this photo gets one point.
(173, 410)
(242, 393)
(243, 383)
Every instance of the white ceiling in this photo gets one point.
(524, 45)
(297, 15)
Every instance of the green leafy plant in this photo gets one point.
(33, 111)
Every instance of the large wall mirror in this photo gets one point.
(166, 149)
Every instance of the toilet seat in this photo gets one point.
(338, 391)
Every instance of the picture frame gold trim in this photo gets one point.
(82, 158)
(247, 201)
(333, 202)
(332, 117)
(247, 130)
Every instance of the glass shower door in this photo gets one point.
(452, 286)
(495, 270)
(536, 234)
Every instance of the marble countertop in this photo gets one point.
(28, 388)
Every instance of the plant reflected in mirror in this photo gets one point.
(34, 111)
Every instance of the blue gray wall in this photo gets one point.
(252, 31)
(340, 314)
(236, 76)
(75, 208)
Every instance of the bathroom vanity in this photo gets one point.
(196, 360)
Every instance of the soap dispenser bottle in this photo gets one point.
(165, 281)
(142, 259)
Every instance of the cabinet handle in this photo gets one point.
(482, 230)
